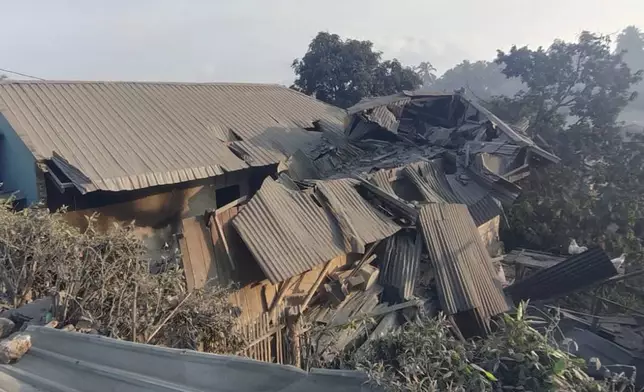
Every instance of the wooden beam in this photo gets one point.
(230, 205)
(395, 203)
(316, 284)
(366, 258)
(220, 230)
(281, 293)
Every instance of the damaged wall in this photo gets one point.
(17, 165)
(256, 298)
(157, 212)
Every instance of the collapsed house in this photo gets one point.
(396, 209)
(321, 217)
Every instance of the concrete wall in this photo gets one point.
(17, 164)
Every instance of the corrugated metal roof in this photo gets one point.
(399, 263)
(458, 188)
(499, 148)
(276, 144)
(570, 275)
(289, 233)
(128, 135)
(382, 178)
(464, 271)
(370, 224)
(70, 361)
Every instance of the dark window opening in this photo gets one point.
(227, 195)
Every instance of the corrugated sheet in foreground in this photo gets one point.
(399, 263)
(129, 135)
(70, 361)
(570, 275)
(464, 271)
(287, 232)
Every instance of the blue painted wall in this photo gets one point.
(17, 164)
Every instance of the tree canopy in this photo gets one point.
(481, 79)
(574, 94)
(630, 42)
(342, 72)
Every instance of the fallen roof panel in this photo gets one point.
(464, 271)
(399, 264)
(129, 135)
(70, 361)
(288, 232)
(568, 276)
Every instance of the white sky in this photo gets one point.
(256, 40)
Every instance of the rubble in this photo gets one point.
(387, 221)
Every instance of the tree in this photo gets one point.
(341, 72)
(481, 79)
(426, 72)
(630, 42)
(575, 92)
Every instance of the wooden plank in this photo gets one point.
(316, 284)
(394, 202)
(187, 264)
(222, 235)
(230, 205)
(280, 295)
(198, 248)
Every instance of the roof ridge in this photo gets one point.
(12, 81)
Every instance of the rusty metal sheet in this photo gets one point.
(465, 276)
(129, 135)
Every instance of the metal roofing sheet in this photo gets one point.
(570, 275)
(464, 271)
(399, 263)
(70, 361)
(288, 232)
(129, 135)
(369, 224)
(458, 188)
(276, 144)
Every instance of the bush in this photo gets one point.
(101, 278)
(426, 357)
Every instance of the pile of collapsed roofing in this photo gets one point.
(406, 189)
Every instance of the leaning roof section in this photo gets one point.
(128, 135)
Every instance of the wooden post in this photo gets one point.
(315, 286)
(294, 325)
(595, 310)
(281, 293)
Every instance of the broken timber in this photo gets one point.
(396, 204)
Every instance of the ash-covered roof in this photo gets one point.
(128, 135)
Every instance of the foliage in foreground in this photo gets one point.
(425, 357)
(101, 277)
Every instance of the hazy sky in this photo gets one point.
(256, 40)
